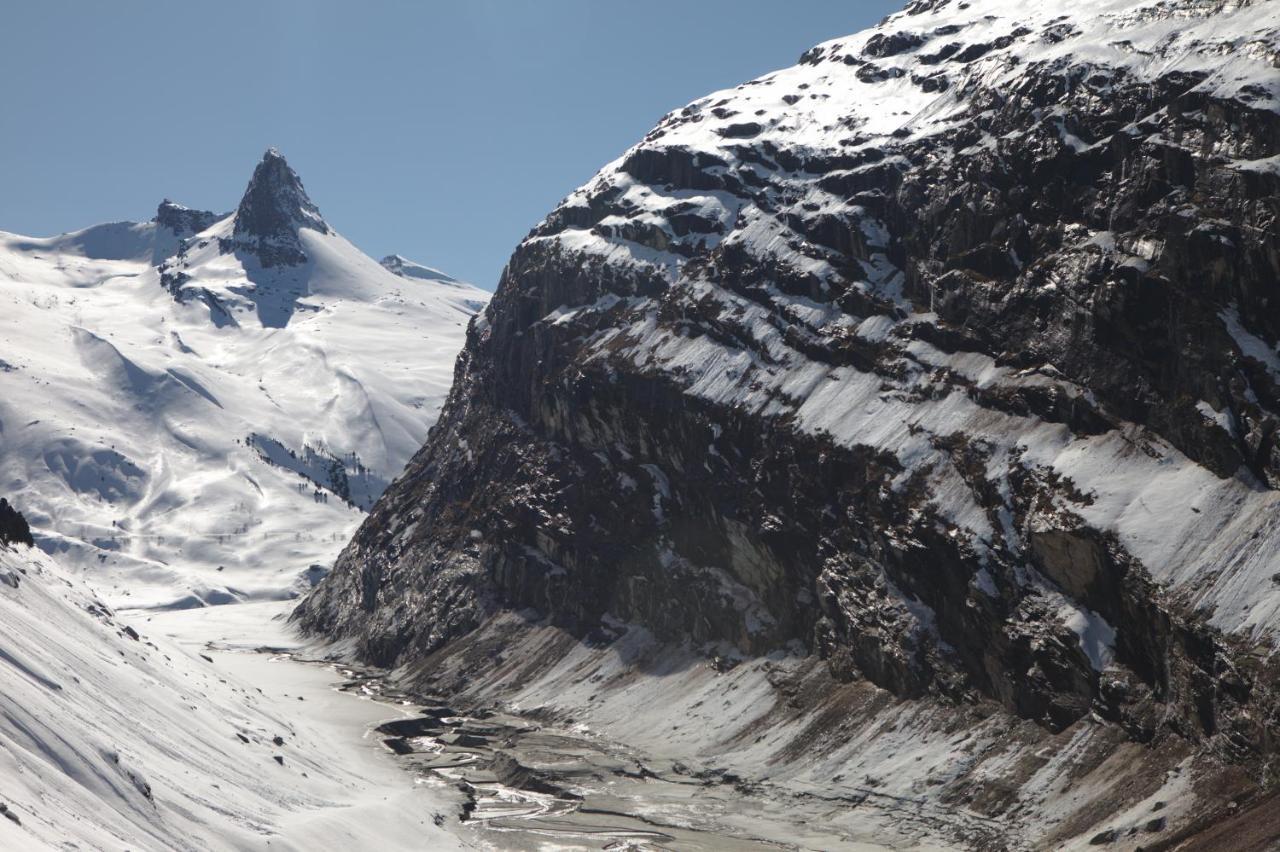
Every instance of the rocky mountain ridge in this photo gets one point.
(947, 355)
(183, 221)
(219, 397)
(273, 208)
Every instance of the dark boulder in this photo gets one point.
(13, 526)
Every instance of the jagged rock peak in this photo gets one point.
(405, 268)
(183, 220)
(275, 204)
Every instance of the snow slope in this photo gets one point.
(112, 738)
(406, 268)
(182, 412)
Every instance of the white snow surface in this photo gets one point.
(110, 742)
(126, 415)
(405, 268)
(826, 105)
(1235, 43)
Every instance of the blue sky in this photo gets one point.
(441, 131)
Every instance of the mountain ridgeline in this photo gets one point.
(205, 382)
(947, 355)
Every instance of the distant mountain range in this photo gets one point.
(200, 408)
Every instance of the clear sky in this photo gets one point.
(442, 131)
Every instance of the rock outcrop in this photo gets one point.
(183, 221)
(273, 208)
(265, 236)
(13, 526)
(948, 355)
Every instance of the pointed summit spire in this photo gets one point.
(275, 204)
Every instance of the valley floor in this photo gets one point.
(384, 808)
(188, 731)
(635, 746)
(221, 729)
(525, 784)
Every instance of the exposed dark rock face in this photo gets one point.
(264, 237)
(183, 221)
(13, 526)
(273, 208)
(275, 205)
(892, 389)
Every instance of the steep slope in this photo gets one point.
(947, 355)
(199, 408)
(111, 738)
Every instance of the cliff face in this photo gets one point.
(948, 354)
(272, 210)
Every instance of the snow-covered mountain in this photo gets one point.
(947, 356)
(199, 408)
(406, 268)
